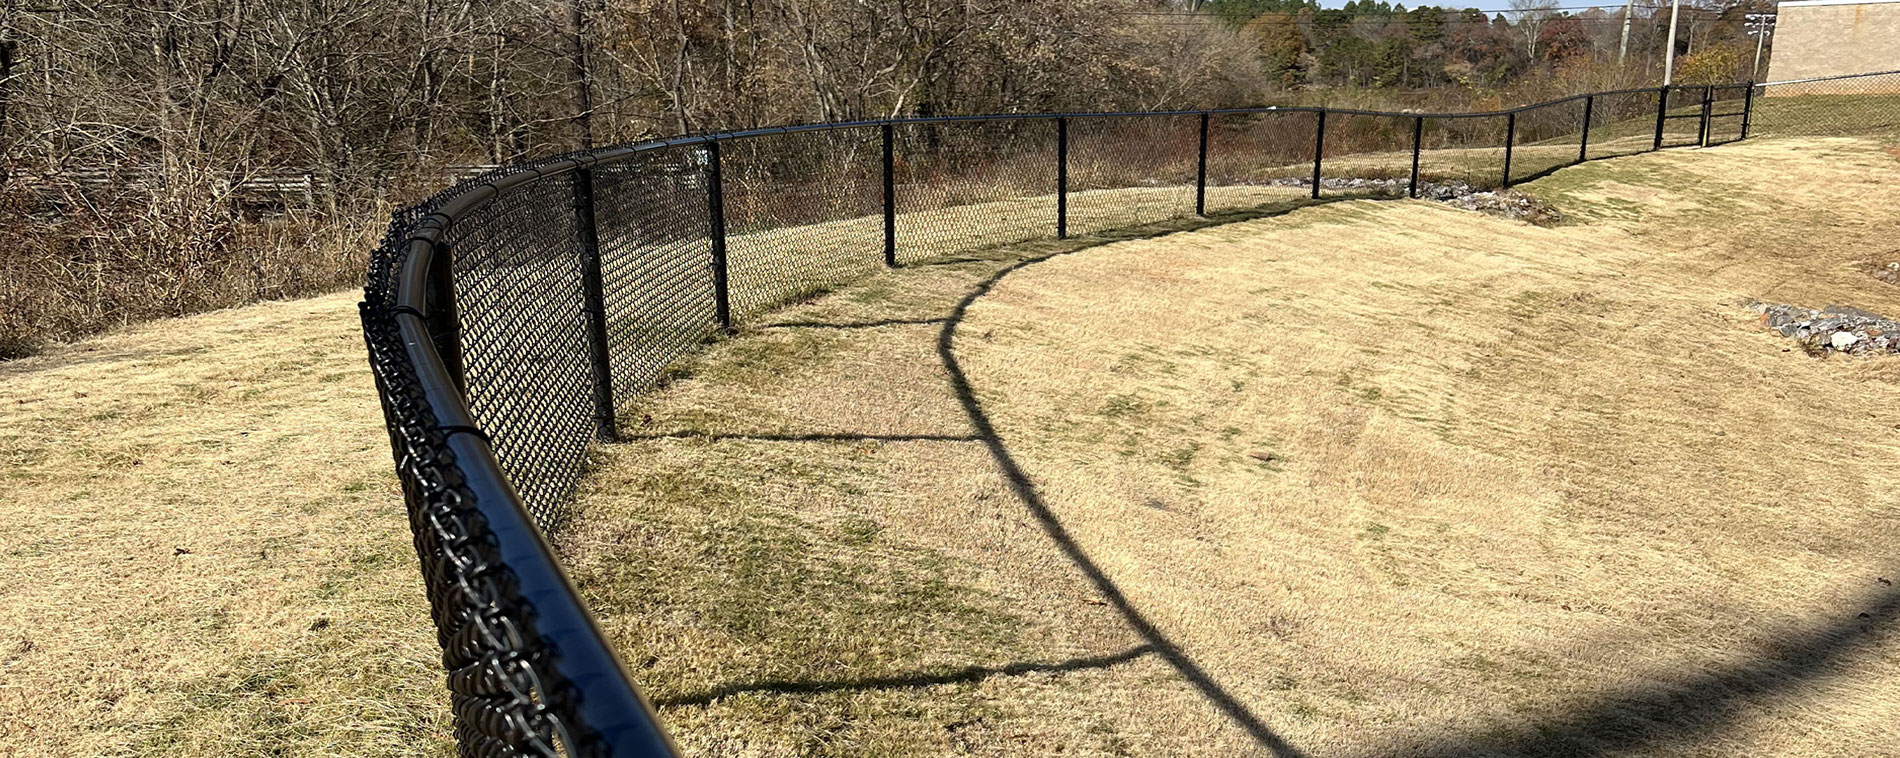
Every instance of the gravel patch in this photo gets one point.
(1835, 328)
(1505, 203)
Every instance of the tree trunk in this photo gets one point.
(577, 75)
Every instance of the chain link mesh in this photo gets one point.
(1362, 147)
(656, 261)
(804, 212)
(1623, 123)
(968, 185)
(508, 696)
(1831, 107)
(1258, 159)
(1131, 170)
(1466, 150)
(524, 342)
(1549, 137)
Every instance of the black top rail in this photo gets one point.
(529, 672)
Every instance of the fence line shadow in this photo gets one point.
(1621, 721)
(849, 324)
(959, 676)
(693, 434)
(1030, 495)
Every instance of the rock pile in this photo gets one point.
(1506, 203)
(1836, 328)
(1889, 273)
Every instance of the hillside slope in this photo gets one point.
(1372, 478)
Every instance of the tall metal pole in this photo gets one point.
(1760, 25)
(1669, 50)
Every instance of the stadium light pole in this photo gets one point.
(1760, 25)
(1669, 50)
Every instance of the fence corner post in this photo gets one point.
(1708, 105)
(1062, 178)
(890, 199)
(716, 220)
(1319, 149)
(1200, 175)
(1748, 109)
(594, 305)
(1583, 145)
(1510, 141)
(1662, 114)
(1418, 134)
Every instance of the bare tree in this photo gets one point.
(1530, 17)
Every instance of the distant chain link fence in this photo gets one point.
(1829, 107)
(506, 317)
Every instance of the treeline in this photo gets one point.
(160, 157)
(1538, 45)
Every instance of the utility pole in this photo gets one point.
(1669, 50)
(1760, 25)
(1623, 48)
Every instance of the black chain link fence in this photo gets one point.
(507, 316)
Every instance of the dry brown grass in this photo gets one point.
(1401, 479)
(76, 261)
(202, 549)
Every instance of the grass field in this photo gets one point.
(202, 549)
(1366, 478)
(1361, 479)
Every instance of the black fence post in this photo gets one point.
(1748, 109)
(445, 319)
(1319, 149)
(1662, 114)
(890, 199)
(1510, 140)
(716, 215)
(1062, 178)
(594, 305)
(1200, 176)
(1583, 146)
(1418, 134)
(1709, 105)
